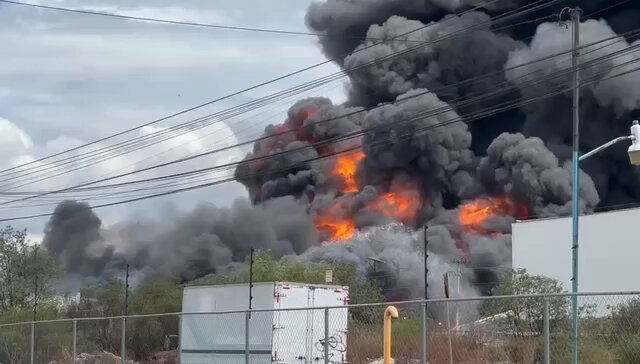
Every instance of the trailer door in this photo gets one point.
(330, 297)
(290, 328)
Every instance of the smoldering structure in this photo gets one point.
(411, 146)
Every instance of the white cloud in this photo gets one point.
(16, 141)
(69, 78)
(13, 141)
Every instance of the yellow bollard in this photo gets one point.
(390, 313)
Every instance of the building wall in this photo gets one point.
(609, 253)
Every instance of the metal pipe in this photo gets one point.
(605, 146)
(449, 335)
(426, 297)
(326, 335)
(123, 341)
(75, 337)
(179, 349)
(547, 336)
(575, 16)
(33, 339)
(425, 337)
(390, 313)
(247, 319)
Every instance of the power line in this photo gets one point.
(519, 12)
(193, 24)
(251, 141)
(420, 114)
(519, 104)
(338, 74)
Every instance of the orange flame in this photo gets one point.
(401, 206)
(346, 168)
(337, 229)
(474, 214)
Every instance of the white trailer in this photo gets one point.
(288, 336)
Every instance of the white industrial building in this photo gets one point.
(609, 251)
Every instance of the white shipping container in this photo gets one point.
(295, 336)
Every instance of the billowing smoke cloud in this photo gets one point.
(525, 169)
(187, 245)
(426, 155)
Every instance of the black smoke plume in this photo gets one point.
(439, 164)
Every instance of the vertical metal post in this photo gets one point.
(74, 350)
(250, 280)
(123, 341)
(180, 318)
(33, 339)
(547, 334)
(425, 336)
(575, 16)
(326, 335)
(449, 334)
(458, 293)
(247, 319)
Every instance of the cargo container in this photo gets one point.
(287, 336)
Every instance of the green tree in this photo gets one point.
(148, 335)
(527, 314)
(145, 335)
(26, 272)
(104, 300)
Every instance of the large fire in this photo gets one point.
(346, 168)
(474, 214)
(337, 229)
(401, 206)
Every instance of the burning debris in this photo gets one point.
(466, 177)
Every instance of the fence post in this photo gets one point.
(179, 348)
(33, 340)
(547, 336)
(247, 318)
(326, 335)
(449, 334)
(425, 337)
(123, 342)
(75, 336)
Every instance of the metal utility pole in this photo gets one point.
(250, 279)
(426, 297)
(575, 17)
(123, 346)
(35, 297)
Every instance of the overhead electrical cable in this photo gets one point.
(534, 7)
(508, 105)
(620, 52)
(537, 99)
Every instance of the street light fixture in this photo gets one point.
(634, 149)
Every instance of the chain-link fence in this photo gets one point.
(509, 329)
